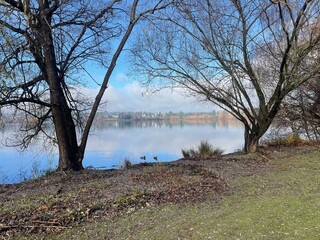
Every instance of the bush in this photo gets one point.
(204, 150)
(186, 153)
(287, 141)
(126, 164)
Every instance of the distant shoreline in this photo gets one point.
(221, 118)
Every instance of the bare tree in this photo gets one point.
(43, 44)
(300, 112)
(244, 56)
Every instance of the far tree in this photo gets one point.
(244, 56)
(44, 44)
(300, 112)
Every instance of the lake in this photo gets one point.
(115, 141)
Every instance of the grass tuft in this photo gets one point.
(204, 150)
(127, 164)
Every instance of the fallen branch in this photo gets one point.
(3, 228)
(44, 222)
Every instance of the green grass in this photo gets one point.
(282, 204)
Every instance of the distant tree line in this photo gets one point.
(152, 115)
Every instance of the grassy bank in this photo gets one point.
(283, 204)
(281, 201)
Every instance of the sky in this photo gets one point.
(127, 95)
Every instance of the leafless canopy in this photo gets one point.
(45, 46)
(245, 56)
(81, 32)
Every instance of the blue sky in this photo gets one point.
(125, 93)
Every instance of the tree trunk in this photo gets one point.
(66, 134)
(251, 140)
(61, 112)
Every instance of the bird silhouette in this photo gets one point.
(155, 158)
(143, 157)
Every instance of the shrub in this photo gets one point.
(204, 150)
(186, 153)
(287, 141)
(126, 164)
(218, 152)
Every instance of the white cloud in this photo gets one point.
(121, 77)
(133, 97)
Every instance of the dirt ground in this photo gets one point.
(63, 200)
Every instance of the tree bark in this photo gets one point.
(65, 133)
(61, 112)
(251, 140)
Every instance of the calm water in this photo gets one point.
(113, 142)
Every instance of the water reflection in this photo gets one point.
(140, 124)
(111, 142)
